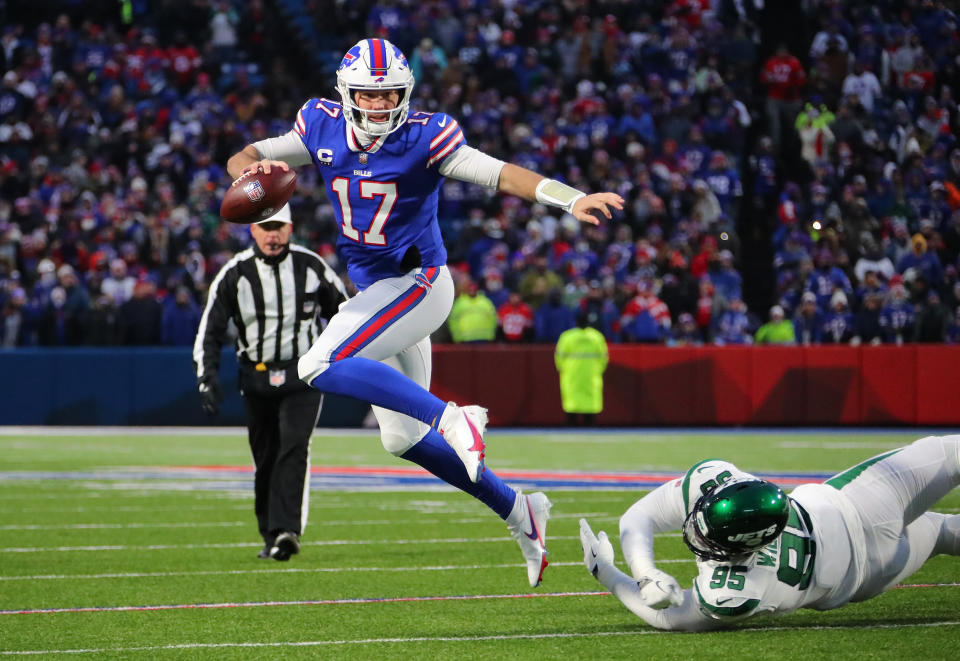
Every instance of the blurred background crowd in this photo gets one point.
(792, 174)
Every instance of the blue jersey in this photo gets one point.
(384, 197)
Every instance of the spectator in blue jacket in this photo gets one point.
(827, 278)
(897, 316)
(922, 261)
(600, 311)
(727, 281)
(181, 319)
(733, 327)
(866, 325)
(552, 318)
(639, 122)
(808, 322)
(685, 333)
(838, 322)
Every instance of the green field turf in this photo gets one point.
(166, 569)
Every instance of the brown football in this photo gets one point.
(255, 196)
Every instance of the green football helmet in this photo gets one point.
(735, 519)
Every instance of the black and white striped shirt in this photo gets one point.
(275, 308)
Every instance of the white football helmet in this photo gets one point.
(374, 64)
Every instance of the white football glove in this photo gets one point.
(659, 589)
(595, 548)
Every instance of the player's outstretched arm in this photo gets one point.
(661, 510)
(249, 159)
(598, 557)
(515, 180)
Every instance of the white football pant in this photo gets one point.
(390, 321)
(892, 497)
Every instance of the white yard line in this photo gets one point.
(237, 545)
(121, 526)
(13, 430)
(460, 639)
(286, 570)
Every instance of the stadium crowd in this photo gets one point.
(833, 172)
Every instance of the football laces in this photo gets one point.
(244, 176)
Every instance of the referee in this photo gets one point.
(274, 293)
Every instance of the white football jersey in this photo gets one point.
(791, 572)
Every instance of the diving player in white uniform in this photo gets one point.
(382, 167)
(761, 551)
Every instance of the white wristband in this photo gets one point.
(556, 194)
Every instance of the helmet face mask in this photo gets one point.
(374, 65)
(735, 519)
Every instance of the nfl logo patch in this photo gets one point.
(277, 378)
(254, 190)
(363, 158)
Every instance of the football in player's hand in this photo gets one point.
(256, 196)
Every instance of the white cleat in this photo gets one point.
(464, 433)
(530, 531)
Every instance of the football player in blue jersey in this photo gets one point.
(382, 166)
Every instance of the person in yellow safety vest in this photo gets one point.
(581, 358)
(817, 116)
(473, 317)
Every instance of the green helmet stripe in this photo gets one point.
(849, 475)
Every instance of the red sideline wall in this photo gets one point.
(656, 385)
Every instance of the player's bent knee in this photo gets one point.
(937, 444)
(310, 366)
(397, 444)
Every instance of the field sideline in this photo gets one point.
(141, 543)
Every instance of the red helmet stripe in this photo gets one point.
(378, 58)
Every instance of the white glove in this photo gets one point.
(595, 549)
(659, 589)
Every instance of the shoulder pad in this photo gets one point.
(314, 110)
(703, 476)
(443, 132)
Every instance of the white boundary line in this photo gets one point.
(469, 639)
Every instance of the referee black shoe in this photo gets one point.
(264, 553)
(285, 545)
